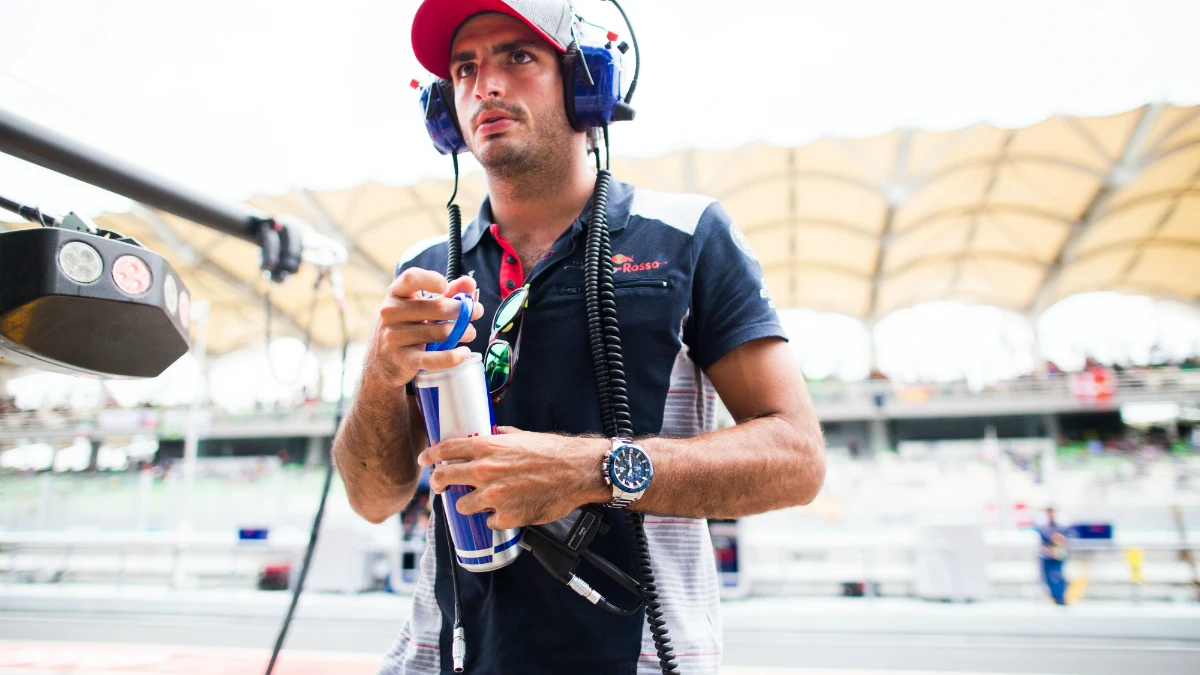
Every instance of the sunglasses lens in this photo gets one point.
(497, 365)
(508, 310)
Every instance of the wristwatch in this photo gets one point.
(628, 470)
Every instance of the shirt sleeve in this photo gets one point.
(730, 303)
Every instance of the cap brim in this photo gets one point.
(437, 20)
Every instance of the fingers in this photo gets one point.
(407, 310)
(423, 360)
(467, 285)
(445, 475)
(449, 450)
(482, 501)
(415, 279)
(499, 521)
(462, 284)
(472, 502)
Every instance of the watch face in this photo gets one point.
(631, 469)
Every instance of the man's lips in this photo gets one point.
(493, 121)
(494, 125)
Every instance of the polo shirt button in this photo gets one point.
(510, 260)
(510, 284)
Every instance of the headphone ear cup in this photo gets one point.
(441, 119)
(446, 91)
(595, 104)
(569, 65)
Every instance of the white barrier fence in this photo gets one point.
(353, 559)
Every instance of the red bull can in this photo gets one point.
(455, 404)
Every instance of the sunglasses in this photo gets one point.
(500, 359)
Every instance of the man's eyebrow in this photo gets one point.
(514, 45)
(502, 48)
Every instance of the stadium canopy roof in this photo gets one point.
(1016, 218)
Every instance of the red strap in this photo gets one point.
(510, 265)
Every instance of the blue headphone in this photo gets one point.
(591, 93)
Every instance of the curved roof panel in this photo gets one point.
(1017, 218)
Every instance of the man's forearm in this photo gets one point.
(376, 449)
(759, 465)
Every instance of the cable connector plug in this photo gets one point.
(459, 649)
(582, 588)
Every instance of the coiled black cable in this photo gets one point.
(594, 293)
(654, 610)
(454, 242)
(604, 336)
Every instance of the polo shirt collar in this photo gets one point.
(620, 198)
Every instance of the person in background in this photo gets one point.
(1053, 556)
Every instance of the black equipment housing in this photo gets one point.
(51, 322)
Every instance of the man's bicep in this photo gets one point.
(760, 378)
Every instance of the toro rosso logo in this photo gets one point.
(626, 263)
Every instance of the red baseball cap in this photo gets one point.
(436, 22)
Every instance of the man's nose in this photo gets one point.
(489, 83)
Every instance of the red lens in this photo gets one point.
(131, 274)
(185, 309)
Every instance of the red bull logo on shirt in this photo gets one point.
(626, 263)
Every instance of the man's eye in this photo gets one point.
(466, 70)
(522, 57)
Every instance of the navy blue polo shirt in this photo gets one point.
(689, 290)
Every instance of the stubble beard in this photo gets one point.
(532, 167)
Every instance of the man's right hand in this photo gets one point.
(407, 322)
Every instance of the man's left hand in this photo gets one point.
(522, 477)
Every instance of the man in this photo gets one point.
(1053, 554)
(695, 322)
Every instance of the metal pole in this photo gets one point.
(1004, 511)
(145, 483)
(191, 442)
(1050, 462)
(36, 144)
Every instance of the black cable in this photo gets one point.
(443, 526)
(454, 270)
(605, 338)
(316, 526)
(31, 213)
(637, 53)
(607, 153)
(454, 241)
(593, 295)
(10, 205)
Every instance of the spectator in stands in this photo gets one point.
(1053, 555)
